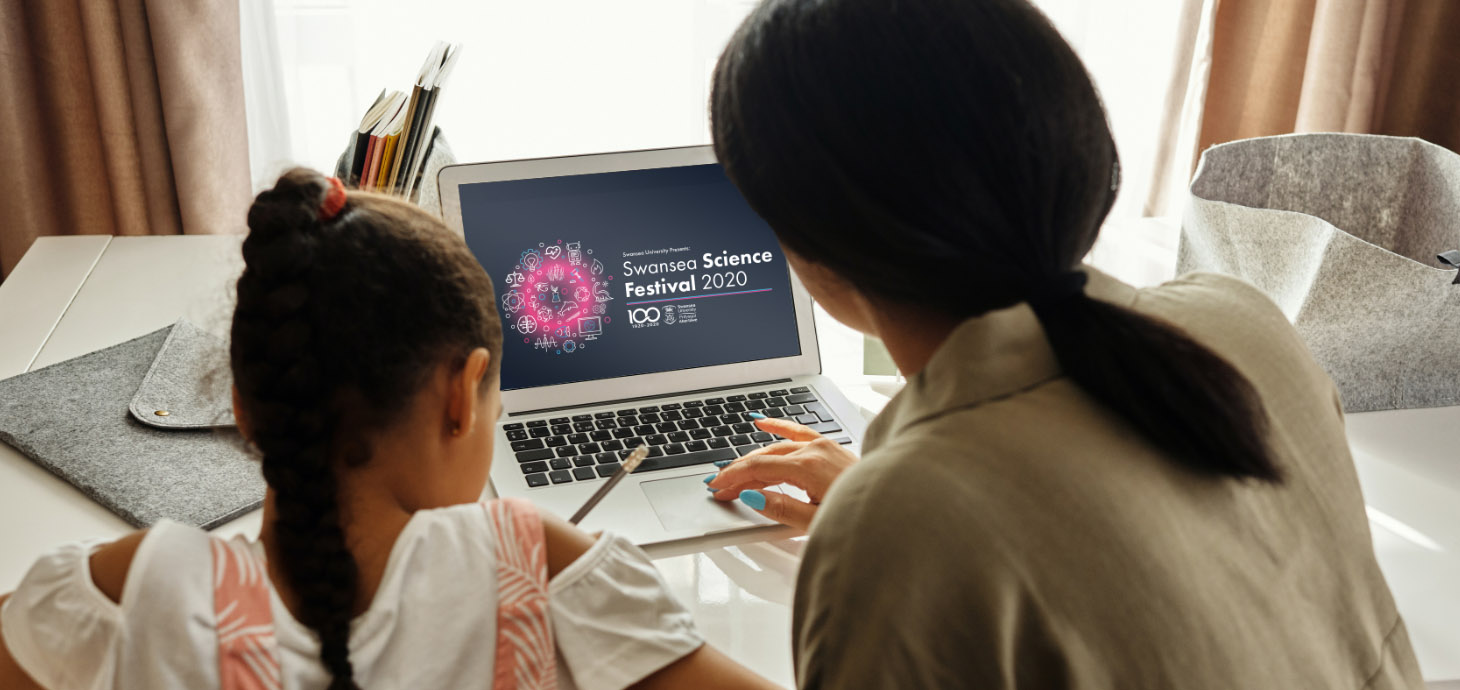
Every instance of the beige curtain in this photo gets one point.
(1376, 66)
(120, 117)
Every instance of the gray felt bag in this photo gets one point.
(1353, 236)
(145, 428)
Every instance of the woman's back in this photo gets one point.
(1023, 535)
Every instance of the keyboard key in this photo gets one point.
(567, 451)
(666, 427)
(555, 441)
(722, 430)
(699, 433)
(776, 401)
(649, 408)
(614, 444)
(529, 444)
(800, 389)
(561, 429)
(531, 467)
(539, 432)
(718, 442)
(606, 458)
(781, 392)
(560, 463)
(603, 415)
(644, 430)
(514, 426)
(516, 434)
(654, 452)
(589, 447)
(651, 418)
(669, 406)
(625, 413)
(609, 469)
(606, 424)
(624, 433)
(741, 451)
(741, 438)
(792, 410)
(628, 420)
(583, 426)
(844, 440)
(693, 446)
(583, 474)
(677, 436)
(714, 410)
(673, 448)
(560, 477)
(761, 437)
(578, 438)
(801, 398)
(807, 419)
(558, 420)
(530, 455)
(656, 439)
(582, 417)
(584, 461)
(735, 398)
(743, 428)
(825, 427)
(685, 460)
(601, 435)
(714, 401)
(671, 416)
(693, 412)
(758, 395)
(687, 424)
(538, 479)
(734, 407)
(755, 405)
(771, 412)
(694, 403)
(537, 422)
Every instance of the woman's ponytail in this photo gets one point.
(1184, 398)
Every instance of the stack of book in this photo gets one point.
(387, 150)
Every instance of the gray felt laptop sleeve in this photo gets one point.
(145, 428)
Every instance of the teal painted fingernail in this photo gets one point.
(754, 499)
(756, 415)
(711, 489)
(710, 478)
(723, 463)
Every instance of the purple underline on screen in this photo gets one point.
(676, 299)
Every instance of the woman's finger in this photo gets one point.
(784, 428)
(780, 507)
(793, 467)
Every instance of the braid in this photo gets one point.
(338, 323)
(275, 350)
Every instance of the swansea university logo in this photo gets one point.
(556, 297)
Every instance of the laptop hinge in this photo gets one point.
(620, 401)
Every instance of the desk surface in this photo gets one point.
(70, 296)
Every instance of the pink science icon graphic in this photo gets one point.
(556, 297)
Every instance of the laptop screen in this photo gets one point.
(625, 273)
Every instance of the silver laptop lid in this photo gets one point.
(626, 275)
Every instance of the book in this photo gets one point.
(448, 61)
(360, 146)
(389, 148)
(377, 144)
(411, 137)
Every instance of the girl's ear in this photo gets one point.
(464, 401)
(241, 418)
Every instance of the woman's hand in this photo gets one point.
(807, 460)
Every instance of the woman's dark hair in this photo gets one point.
(339, 322)
(954, 155)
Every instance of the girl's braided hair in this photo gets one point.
(340, 321)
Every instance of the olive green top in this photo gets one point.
(1005, 530)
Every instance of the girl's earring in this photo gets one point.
(456, 430)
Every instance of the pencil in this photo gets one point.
(630, 463)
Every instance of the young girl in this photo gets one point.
(365, 353)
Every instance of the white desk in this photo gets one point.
(70, 296)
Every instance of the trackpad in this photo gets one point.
(682, 504)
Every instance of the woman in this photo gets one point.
(1083, 484)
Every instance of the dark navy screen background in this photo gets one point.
(612, 213)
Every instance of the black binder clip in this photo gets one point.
(1451, 259)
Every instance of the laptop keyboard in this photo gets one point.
(584, 447)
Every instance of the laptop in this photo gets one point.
(643, 302)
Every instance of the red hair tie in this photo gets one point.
(333, 201)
